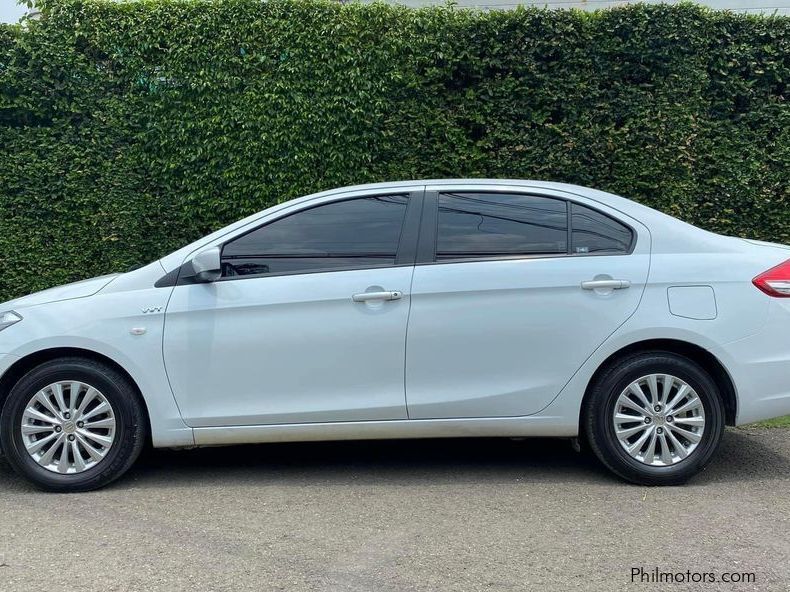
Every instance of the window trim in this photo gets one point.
(429, 233)
(404, 253)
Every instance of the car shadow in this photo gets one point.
(750, 454)
(745, 455)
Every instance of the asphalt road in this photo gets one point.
(393, 516)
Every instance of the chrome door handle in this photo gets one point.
(367, 296)
(606, 285)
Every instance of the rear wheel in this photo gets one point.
(72, 424)
(655, 418)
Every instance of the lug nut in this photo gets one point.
(58, 428)
(657, 408)
(659, 430)
(80, 424)
(67, 415)
(670, 419)
(71, 437)
(648, 420)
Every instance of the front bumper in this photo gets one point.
(6, 361)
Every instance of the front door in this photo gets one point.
(307, 324)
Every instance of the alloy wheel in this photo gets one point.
(68, 427)
(659, 419)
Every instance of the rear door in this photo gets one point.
(511, 293)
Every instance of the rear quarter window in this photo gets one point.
(594, 232)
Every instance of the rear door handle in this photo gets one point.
(367, 296)
(606, 285)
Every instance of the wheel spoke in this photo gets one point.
(628, 432)
(650, 453)
(637, 446)
(29, 430)
(690, 436)
(690, 405)
(666, 383)
(652, 385)
(74, 391)
(79, 463)
(682, 393)
(680, 450)
(47, 457)
(94, 453)
(57, 389)
(692, 421)
(63, 462)
(625, 418)
(636, 390)
(34, 447)
(666, 455)
(99, 439)
(102, 407)
(42, 398)
(624, 401)
(90, 395)
(36, 414)
(107, 422)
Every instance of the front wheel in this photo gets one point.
(72, 424)
(655, 418)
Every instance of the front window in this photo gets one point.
(350, 234)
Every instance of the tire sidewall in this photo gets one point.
(115, 391)
(619, 379)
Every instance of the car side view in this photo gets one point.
(420, 309)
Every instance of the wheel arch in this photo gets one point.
(709, 362)
(24, 364)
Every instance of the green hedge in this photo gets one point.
(128, 129)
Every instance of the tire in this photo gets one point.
(664, 464)
(122, 424)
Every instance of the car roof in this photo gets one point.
(624, 205)
(610, 199)
(676, 232)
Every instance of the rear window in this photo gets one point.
(473, 225)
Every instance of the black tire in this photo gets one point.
(130, 424)
(598, 422)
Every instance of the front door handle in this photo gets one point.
(367, 296)
(606, 285)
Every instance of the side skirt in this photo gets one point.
(528, 426)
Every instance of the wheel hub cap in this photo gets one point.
(659, 419)
(68, 427)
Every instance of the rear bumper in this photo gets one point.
(760, 367)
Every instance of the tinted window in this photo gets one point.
(347, 234)
(492, 225)
(594, 232)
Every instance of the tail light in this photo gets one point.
(776, 281)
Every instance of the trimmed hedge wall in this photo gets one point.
(128, 129)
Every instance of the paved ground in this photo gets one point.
(394, 516)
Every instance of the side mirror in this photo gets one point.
(207, 265)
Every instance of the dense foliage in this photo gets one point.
(128, 129)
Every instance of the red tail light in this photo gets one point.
(776, 281)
